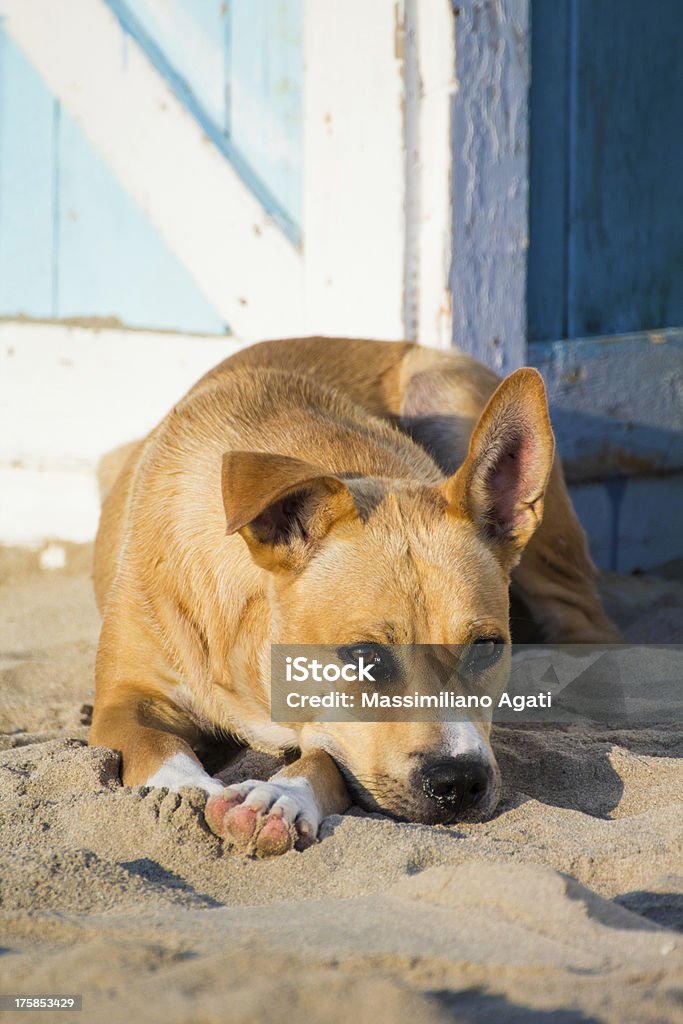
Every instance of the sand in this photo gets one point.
(566, 907)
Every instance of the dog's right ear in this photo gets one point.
(282, 507)
(501, 485)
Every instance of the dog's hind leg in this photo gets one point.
(556, 578)
(442, 395)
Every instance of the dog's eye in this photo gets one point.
(376, 657)
(482, 654)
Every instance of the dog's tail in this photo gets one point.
(111, 465)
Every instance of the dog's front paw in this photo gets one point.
(265, 818)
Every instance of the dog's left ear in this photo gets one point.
(501, 484)
(282, 507)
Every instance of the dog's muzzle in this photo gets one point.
(457, 784)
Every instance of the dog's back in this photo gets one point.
(249, 404)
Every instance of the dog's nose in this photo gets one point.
(456, 782)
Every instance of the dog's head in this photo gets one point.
(357, 561)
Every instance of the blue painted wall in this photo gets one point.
(606, 258)
(606, 199)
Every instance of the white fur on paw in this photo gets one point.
(288, 798)
(182, 770)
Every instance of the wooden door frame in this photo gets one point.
(617, 402)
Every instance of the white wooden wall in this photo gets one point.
(143, 196)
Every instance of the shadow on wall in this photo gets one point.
(626, 487)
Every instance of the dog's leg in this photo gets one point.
(134, 711)
(272, 817)
(441, 397)
(151, 756)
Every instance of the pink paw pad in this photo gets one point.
(275, 837)
(264, 819)
(240, 823)
(215, 811)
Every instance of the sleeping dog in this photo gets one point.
(325, 491)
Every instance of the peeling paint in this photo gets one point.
(490, 181)
(616, 403)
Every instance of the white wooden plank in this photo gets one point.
(354, 233)
(69, 394)
(37, 505)
(430, 51)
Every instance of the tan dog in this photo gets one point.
(328, 491)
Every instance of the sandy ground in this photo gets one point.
(566, 907)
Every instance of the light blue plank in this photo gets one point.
(192, 33)
(27, 113)
(266, 93)
(112, 261)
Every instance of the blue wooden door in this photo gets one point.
(606, 230)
